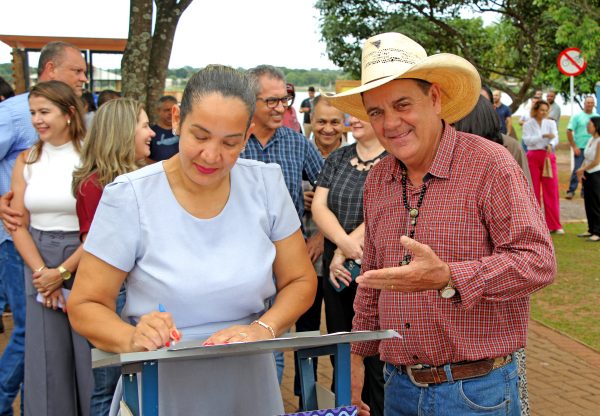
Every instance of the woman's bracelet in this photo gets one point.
(40, 269)
(266, 326)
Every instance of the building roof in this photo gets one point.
(38, 42)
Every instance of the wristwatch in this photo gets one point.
(449, 291)
(64, 273)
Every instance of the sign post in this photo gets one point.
(571, 63)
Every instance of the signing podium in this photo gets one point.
(307, 345)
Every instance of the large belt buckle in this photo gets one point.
(409, 372)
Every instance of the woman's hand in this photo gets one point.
(351, 247)
(337, 271)
(580, 173)
(154, 330)
(47, 281)
(548, 136)
(239, 333)
(55, 300)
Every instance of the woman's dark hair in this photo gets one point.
(219, 79)
(536, 107)
(88, 98)
(106, 96)
(482, 121)
(488, 91)
(6, 90)
(596, 122)
(63, 97)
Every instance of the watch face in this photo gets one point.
(448, 292)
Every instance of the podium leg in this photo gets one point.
(343, 394)
(130, 387)
(150, 388)
(341, 355)
(307, 380)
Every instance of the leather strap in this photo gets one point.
(460, 371)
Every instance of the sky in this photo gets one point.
(239, 33)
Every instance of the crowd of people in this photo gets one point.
(540, 138)
(240, 221)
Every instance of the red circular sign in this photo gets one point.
(570, 62)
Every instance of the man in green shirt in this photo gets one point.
(578, 138)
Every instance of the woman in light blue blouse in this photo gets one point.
(202, 233)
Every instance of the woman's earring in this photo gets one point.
(68, 122)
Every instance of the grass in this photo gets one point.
(570, 304)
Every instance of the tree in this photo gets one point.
(517, 54)
(146, 58)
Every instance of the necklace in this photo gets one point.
(362, 165)
(413, 212)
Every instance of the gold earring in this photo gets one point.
(68, 122)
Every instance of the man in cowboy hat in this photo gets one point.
(455, 242)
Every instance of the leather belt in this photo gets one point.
(423, 376)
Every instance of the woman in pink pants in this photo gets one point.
(541, 137)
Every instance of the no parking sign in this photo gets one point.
(570, 62)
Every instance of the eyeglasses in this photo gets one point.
(273, 102)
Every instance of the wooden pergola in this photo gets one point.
(21, 45)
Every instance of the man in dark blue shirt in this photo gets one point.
(504, 114)
(306, 108)
(165, 144)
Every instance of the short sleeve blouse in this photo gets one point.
(209, 273)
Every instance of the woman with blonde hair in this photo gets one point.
(117, 143)
(58, 372)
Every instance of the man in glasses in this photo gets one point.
(271, 142)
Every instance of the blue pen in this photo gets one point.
(174, 334)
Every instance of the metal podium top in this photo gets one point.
(194, 349)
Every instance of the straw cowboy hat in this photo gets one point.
(391, 56)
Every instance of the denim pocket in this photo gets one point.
(491, 394)
(389, 371)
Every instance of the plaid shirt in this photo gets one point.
(480, 217)
(294, 154)
(16, 134)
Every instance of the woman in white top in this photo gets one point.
(589, 175)
(58, 372)
(541, 137)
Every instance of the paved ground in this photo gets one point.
(563, 375)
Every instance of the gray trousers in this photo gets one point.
(58, 369)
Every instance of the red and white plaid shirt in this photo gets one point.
(478, 215)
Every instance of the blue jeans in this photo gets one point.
(106, 379)
(12, 361)
(2, 296)
(496, 393)
(577, 161)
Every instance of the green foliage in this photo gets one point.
(516, 54)
(578, 25)
(6, 72)
(299, 77)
